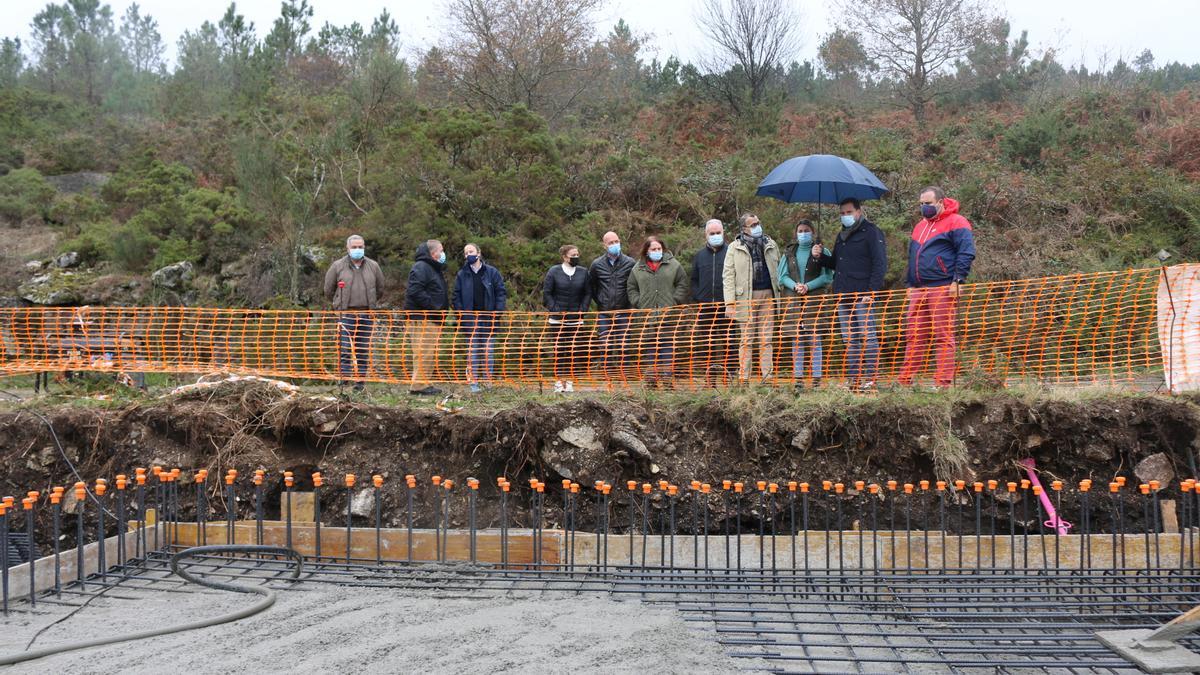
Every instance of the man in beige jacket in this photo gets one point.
(751, 284)
(353, 285)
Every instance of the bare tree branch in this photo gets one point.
(754, 39)
(915, 40)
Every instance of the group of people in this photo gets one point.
(737, 281)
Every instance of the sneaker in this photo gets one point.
(359, 387)
(475, 388)
(558, 387)
(867, 386)
(568, 386)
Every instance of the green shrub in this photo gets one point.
(24, 193)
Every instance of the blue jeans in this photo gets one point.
(354, 341)
(807, 338)
(857, 323)
(481, 351)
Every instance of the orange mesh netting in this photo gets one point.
(1082, 328)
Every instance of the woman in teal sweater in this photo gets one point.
(801, 276)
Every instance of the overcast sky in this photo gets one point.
(1087, 31)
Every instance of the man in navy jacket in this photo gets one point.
(860, 259)
(939, 259)
(479, 292)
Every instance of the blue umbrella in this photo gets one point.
(820, 179)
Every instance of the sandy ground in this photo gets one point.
(324, 628)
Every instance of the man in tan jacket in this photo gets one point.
(353, 285)
(751, 284)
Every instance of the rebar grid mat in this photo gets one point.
(861, 620)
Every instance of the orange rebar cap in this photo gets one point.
(705, 488)
(941, 486)
(860, 485)
(646, 487)
(761, 485)
(317, 479)
(737, 487)
(908, 488)
(725, 484)
(924, 485)
(350, 478)
(892, 485)
(978, 486)
(792, 485)
(377, 480)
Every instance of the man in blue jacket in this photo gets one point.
(939, 259)
(860, 260)
(478, 293)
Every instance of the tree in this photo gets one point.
(914, 42)
(753, 40)
(531, 52)
(198, 87)
(236, 41)
(77, 47)
(842, 56)
(50, 46)
(12, 62)
(286, 39)
(141, 41)
(996, 68)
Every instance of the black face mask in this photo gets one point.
(574, 260)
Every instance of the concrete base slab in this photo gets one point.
(1152, 656)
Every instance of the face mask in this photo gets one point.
(655, 256)
(442, 257)
(929, 210)
(756, 231)
(716, 240)
(614, 249)
(472, 259)
(804, 238)
(357, 253)
(848, 220)
(573, 261)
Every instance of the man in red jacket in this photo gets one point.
(939, 259)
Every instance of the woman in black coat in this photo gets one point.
(566, 292)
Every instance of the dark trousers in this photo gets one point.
(712, 341)
(569, 345)
(354, 341)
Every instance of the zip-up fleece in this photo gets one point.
(941, 250)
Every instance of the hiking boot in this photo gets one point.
(427, 391)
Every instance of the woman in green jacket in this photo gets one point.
(658, 281)
(800, 277)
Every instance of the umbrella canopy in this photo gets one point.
(820, 179)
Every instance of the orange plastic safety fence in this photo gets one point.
(1082, 328)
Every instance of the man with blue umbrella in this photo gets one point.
(860, 259)
(859, 255)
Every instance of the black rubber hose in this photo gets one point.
(267, 601)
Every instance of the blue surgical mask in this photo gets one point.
(756, 231)
(442, 257)
(655, 256)
(357, 253)
(929, 210)
(848, 220)
(472, 259)
(614, 249)
(804, 238)
(716, 240)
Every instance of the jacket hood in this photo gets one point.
(950, 208)
(423, 255)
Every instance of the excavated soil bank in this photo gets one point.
(741, 436)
